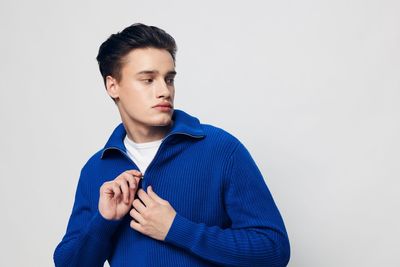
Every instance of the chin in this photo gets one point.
(164, 120)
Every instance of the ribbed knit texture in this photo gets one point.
(225, 212)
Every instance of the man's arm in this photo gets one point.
(257, 236)
(89, 231)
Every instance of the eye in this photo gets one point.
(170, 81)
(148, 81)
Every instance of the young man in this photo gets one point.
(166, 190)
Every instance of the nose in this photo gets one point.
(163, 90)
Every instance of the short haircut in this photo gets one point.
(138, 35)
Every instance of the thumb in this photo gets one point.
(154, 196)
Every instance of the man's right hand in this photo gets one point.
(116, 196)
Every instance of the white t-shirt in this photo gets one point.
(141, 153)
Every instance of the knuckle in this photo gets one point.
(146, 214)
(120, 177)
(145, 225)
(135, 202)
(130, 173)
(105, 184)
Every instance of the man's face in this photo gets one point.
(147, 80)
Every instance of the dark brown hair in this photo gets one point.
(138, 35)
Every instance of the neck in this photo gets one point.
(143, 133)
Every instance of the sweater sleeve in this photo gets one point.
(87, 239)
(256, 236)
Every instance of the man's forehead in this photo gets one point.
(148, 52)
(149, 61)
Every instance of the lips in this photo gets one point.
(164, 105)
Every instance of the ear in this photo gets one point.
(112, 87)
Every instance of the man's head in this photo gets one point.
(138, 69)
(117, 46)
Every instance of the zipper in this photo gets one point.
(142, 181)
(126, 156)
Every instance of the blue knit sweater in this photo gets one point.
(225, 212)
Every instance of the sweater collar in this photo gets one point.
(184, 124)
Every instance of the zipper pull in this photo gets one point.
(141, 181)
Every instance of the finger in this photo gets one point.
(134, 172)
(116, 189)
(125, 190)
(144, 197)
(154, 196)
(106, 188)
(138, 205)
(137, 179)
(131, 181)
(131, 195)
(136, 226)
(137, 216)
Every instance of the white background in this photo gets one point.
(312, 88)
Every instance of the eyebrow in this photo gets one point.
(172, 72)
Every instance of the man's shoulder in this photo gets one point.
(216, 134)
(93, 161)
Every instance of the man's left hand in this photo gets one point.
(152, 216)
